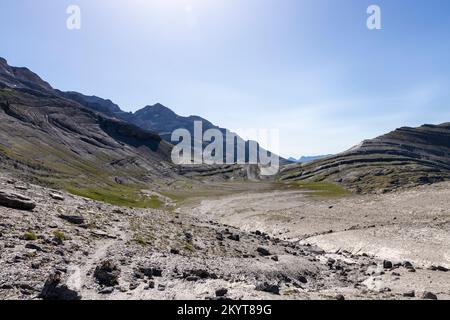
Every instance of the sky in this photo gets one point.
(310, 69)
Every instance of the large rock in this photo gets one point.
(55, 289)
(16, 201)
(429, 296)
(107, 274)
(267, 287)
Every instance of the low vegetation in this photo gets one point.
(59, 235)
(120, 195)
(322, 189)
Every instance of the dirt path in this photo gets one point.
(80, 275)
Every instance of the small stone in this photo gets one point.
(192, 278)
(340, 297)
(387, 264)
(302, 279)
(439, 268)
(263, 251)
(219, 236)
(78, 220)
(407, 265)
(33, 246)
(274, 258)
(161, 287)
(151, 271)
(410, 294)
(133, 285)
(174, 251)
(16, 201)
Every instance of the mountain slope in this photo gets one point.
(58, 142)
(404, 157)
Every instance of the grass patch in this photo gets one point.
(323, 189)
(140, 241)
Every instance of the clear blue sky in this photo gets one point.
(308, 67)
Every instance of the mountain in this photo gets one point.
(308, 158)
(404, 157)
(56, 141)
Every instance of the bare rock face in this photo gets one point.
(16, 201)
(55, 289)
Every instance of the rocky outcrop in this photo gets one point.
(107, 274)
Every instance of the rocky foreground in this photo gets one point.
(58, 246)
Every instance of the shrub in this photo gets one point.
(30, 236)
(59, 235)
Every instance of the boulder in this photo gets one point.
(429, 296)
(410, 294)
(72, 219)
(16, 201)
(387, 264)
(55, 289)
